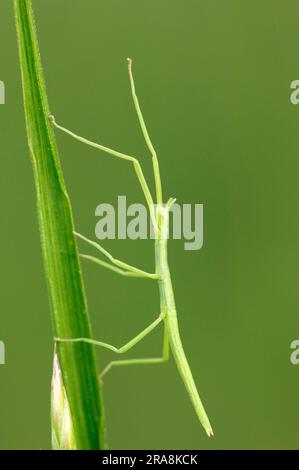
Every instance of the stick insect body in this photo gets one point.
(168, 314)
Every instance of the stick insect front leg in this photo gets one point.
(122, 156)
(146, 136)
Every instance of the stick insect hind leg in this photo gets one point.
(141, 361)
(127, 346)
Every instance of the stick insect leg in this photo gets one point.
(122, 268)
(122, 272)
(141, 361)
(121, 350)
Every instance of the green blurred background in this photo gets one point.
(214, 80)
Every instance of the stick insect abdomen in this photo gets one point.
(171, 322)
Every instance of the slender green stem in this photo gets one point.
(68, 302)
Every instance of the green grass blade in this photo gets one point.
(68, 302)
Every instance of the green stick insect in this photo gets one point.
(168, 316)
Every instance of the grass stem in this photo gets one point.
(69, 307)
